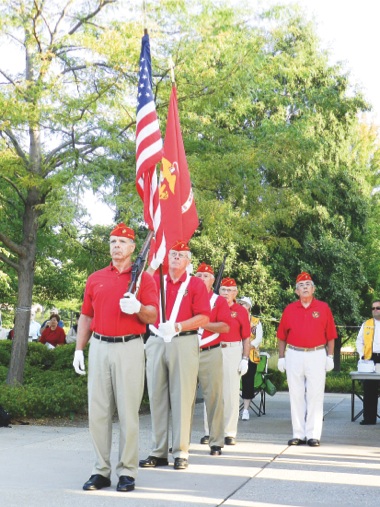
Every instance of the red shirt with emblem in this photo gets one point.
(219, 313)
(194, 302)
(240, 327)
(103, 292)
(307, 327)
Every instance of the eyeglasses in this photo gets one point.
(300, 285)
(181, 255)
(224, 289)
(375, 308)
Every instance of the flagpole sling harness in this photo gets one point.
(209, 339)
(177, 304)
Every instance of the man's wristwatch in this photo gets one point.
(245, 357)
(330, 355)
(178, 327)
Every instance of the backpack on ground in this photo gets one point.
(5, 418)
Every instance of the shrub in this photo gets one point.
(51, 386)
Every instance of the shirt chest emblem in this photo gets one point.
(315, 315)
(234, 315)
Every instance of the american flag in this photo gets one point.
(148, 145)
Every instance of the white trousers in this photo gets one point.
(231, 387)
(306, 375)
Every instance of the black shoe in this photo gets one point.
(95, 482)
(366, 423)
(152, 462)
(296, 441)
(125, 483)
(205, 440)
(313, 442)
(215, 450)
(180, 463)
(229, 440)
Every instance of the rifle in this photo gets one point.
(219, 276)
(139, 264)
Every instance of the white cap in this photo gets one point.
(245, 300)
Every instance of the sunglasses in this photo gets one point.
(375, 308)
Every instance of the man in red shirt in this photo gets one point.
(307, 332)
(172, 359)
(210, 374)
(115, 321)
(235, 348)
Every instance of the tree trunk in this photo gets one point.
(26, 264)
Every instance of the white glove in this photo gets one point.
(154, 263)
(329, 363)
(243, 366)
(281, 364)
(129, 304)
(78, 362)
(167, 330)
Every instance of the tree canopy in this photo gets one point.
(282, 164)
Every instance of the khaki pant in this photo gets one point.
(172, 370)
(211, 381)
(231, 387)
(115, 380)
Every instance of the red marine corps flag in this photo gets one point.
(179, 214)
(148, 148)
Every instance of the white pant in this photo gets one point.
(306, 375)
(231, 387)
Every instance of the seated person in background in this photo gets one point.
(53, 335)
(53, 312)
(71, 336)
(34, 328)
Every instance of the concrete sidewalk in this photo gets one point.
(47, 466)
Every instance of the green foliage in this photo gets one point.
(51, 387)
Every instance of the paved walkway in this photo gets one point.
(46, 466)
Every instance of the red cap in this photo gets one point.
(228, 282)
(303, 277)
(180, 246)
(122, 230)
(205, 268)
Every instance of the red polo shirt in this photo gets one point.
(103, 292)
(194, 302)
(220, 313)
(240, 327)
(307, 327)
(56, 337)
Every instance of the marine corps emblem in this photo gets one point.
(234, 315)
(315, 315)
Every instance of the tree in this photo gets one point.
(53, 124)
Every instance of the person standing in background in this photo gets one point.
(248, 380)
(368, 347)
(307, 332)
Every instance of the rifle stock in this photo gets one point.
(219, 276)
(138, 265)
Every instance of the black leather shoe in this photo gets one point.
(296, 441)
(313, 442)
(366, 423)
(95, 482)
(205, 439)
(125, 483)
(229, 440)
(180, 463)
(215, 450)
(152, 462)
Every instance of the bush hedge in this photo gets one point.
(52, 388)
